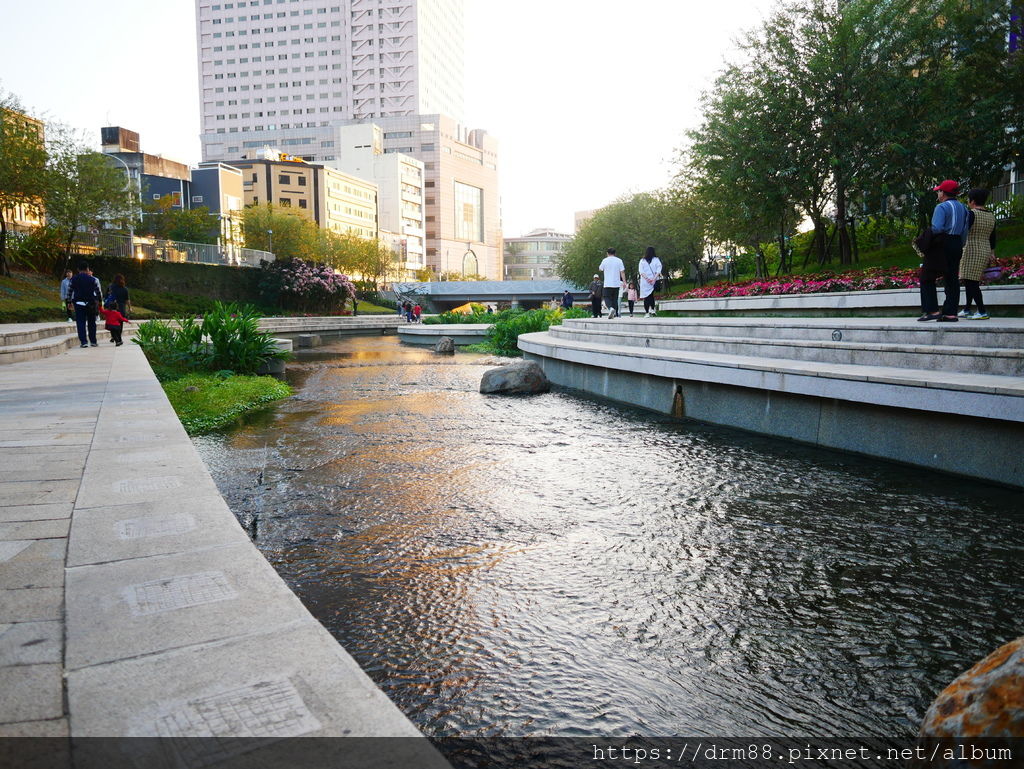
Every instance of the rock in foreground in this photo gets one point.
(445, 346)
(986, 701)
(520, 378)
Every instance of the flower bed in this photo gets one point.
(874, 279)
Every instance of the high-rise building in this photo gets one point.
(268, 65)
(290, 74)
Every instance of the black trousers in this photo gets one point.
(85, 319)
(595, 307)
(115, 333)
(649, 303)
(952, 251)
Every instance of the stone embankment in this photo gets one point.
(948, 397)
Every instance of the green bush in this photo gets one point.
(227, 338)
(503, 337)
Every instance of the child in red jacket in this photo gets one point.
(114, 322)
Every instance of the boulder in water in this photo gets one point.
(520, 378)
(445, 346)
(985, 701)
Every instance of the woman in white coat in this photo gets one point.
(650, 274)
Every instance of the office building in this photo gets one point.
(269, 65)
(290, 75)
(399, 180)
(535, 255)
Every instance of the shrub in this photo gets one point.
(503, 337)
(207, 402)
(304, 286)
(227, 338)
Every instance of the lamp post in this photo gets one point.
(270, 235)
(131, 202)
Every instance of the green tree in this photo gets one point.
(83, 188)
(284, 231)
(22, 167)
(161, 219)
(628, 225)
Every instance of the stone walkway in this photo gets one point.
(131, 601)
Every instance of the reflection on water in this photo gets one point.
(562, 565)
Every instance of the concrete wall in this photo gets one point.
(928, 439)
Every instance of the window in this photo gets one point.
(302, 181)
(469, 209)
(302, 201)
(284, 179)
(285, 202)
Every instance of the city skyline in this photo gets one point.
(587, 106)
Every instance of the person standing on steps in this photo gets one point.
(86, 298)
(949, 223)
(595, 296)
(614, 278)
(650, 279)
(979, 251)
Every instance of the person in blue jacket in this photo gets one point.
(949, 223)
(86, 298)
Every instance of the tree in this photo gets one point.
(22, 167)
(161, 219)
(82, 188)
(287, 233)
(628, 225)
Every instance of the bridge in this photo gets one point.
(438, 296)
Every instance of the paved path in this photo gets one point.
(131, 601)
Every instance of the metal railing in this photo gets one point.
(1004, 192)
(125, 247)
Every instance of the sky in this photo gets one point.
(588, 99)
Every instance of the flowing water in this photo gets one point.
(562, 565)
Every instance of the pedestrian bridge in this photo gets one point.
(439, 296)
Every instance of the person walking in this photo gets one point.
(114, 322)
(650, 279)
(979, 251)
(119, 293)
(567, 300)
(416, 312)
(595, 296)
(614, 276)
(631, 297)
(949, 224)
(65, 295)
(86, 297)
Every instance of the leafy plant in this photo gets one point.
(227, 338)
(503, 337)
(206, 402)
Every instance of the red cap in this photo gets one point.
(949, 187)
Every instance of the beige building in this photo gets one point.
(534, 256)
(333, 200)
(22, 217)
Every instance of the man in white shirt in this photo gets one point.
(614, 278)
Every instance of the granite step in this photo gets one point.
(1002, 361)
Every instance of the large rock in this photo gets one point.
(520, 378)
(986, 701)
(445, 346)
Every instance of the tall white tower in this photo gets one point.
(279, 65)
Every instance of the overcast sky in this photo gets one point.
(588, 98)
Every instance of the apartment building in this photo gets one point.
(333, 200)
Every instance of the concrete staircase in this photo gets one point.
(894, 388)
(34, 341)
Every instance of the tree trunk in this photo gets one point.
(845, 249)
(4, 267)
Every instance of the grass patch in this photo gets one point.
(206, 402)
